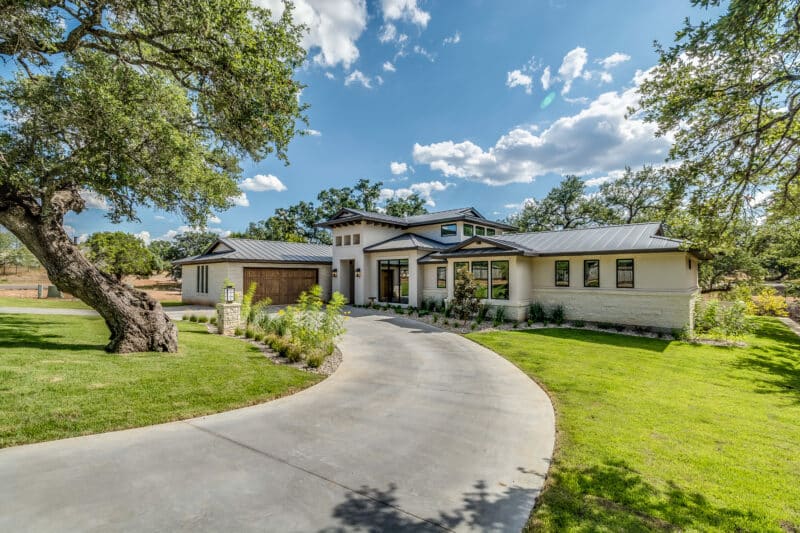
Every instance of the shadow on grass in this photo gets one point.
(778, 361)
(601, 337)
(613, 496)
(17, 331)
(376, 510)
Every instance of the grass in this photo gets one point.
(657, 435)
(56, 381)
(43, 303)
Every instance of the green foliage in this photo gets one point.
(183, 245)
(212, 320)
(202, 319)
(557, 315)
(185, 317)
(536, 312)
(401, 206)
(483, 312)
(249, 333)
(120, 254)
(464, 304)
(636, 196)
(499, 315)
(721, 319)
(769, 303)
(14, 253)
(578, 324)
(238, 332)
(247, 302)
(193, 318)
(565, 206)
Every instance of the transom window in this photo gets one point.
(441, 277)
(490, 231)
(469, 230)
(591, 273)
(480, 230)
(449, 230)
(625, 273)
(562, 273)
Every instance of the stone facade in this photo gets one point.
(229, 317)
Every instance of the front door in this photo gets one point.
(351, 297)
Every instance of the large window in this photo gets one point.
(441, 277)
(562, 273)
(591, 273)
(449, 230)
(490, 231)
(480, 271)
(338, 240)
(393, 281)
(469, 230)
(347, 240)
(456, 267)
(500, 280)
(625, 273)
(480, 230)
(202, 279)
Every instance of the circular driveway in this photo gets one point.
(418, 430)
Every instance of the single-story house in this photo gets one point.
(628, 274)
(281, 270)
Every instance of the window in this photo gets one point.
(458, 266)
(500, 280)
(480, 271)
(449, 230)
(562, 273)
(338, 240)
(480, 230)
(689, 263)
(441, 277)
(625, 273)
(356, 238)
(393, 281)
(202, 279)
(469, 230)
(347, 240)
(490, 231)
(591, 273)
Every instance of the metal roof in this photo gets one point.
(243, 250)
(407, 241)
(470, 214)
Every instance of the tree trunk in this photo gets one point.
(136, 321)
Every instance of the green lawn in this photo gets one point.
(56, 381)
(44, 303)
(657, 435)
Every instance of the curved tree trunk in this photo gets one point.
(136, 321)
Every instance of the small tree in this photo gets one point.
(465, 303)
(121, 254)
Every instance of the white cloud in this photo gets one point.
(611, 176)
(159, 217)
(241, 200)
(516, 78)
(546, 78)
(425, 191)
(572, 67)
(424, 53)
(92, 200)
(330, 76)
(605, 77)
(398, 168)
(261, 182)
(214, 219)
(614, 59)
(379, 79)
(82, 238)
(388, 67)
(387, 33)
(523, 203)
(334, 26)
(453, 39)
(313, 133)
(143, 236)
(405, 10)
(597, 139)
(358, 77)
(171, 234)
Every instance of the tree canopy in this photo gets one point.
(121, 254)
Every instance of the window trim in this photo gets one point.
(491, 232)
(356, 239)
(508, 280)
(555, 280)
(471, 230)
(585, 265)
(441, 277)
(633, 275)
(338, 240)
(488, 278)
(446, 232)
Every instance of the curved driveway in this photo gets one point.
(418, 430)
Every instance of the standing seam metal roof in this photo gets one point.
(266, 251)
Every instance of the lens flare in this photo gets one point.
(548, 100)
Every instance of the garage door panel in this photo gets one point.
(281, 285)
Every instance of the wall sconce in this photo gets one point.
(334, 272)
(358, 272)
(230, 294)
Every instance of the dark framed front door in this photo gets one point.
(393, 281)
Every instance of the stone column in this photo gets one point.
(229, 317)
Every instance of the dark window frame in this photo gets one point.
(471, 230)
(586, 263)
(441, 277)
(401, 265)
(632, 271)
(480, 231)
(449, 230)
(338, 240)
(507, 280)
(562, 283)
(356, 239)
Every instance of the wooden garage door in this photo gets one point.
(281, 285)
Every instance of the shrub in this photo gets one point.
(258, 311)
(247, 302)
(315, 359)
(728, 319)
(435, 318)
(446, 322)
(293, 351)
(536, 313)
(258, 336)
(578, 323)
(706, 316)
(249, 333)
(474, 326)
(185, 317)
(557, 315)
(448, 310)
(212, 320)
(499, 315)
(769, 303)
(202, 319)
(464, 304)
(483, 311)
(238, 332)
(193, 318)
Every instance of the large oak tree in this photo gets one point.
(144, 103)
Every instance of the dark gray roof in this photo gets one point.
(644, 237)
(469, 214)
(431, 259)
(245, 250)
(407, 241)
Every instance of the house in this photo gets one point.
(627, 274)
(281, 270)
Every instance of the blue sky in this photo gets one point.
(452, 100)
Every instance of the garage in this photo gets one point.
(281, 285)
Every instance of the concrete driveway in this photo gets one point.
(418, 430)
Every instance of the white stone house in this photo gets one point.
(628, 274)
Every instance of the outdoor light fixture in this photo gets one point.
(229, 294)
(334, 273)
(358, 272)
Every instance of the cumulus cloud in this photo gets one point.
(599, 180)
(572, 67)
(92, 200)
(425, 191)
(597, 139)
(334, 26)
(520, 205)
(406, 10)
(171, 234)
(313, 133)
(605, 77)
(453, 39)
(389, 67)
(516, 78)
(214, 219)
(143, 236)
(358, 77)
(546, 78)
(387, 33)
(614, 59)
(241, 200)
(330, 76)
(261, 182)
(398, 168)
